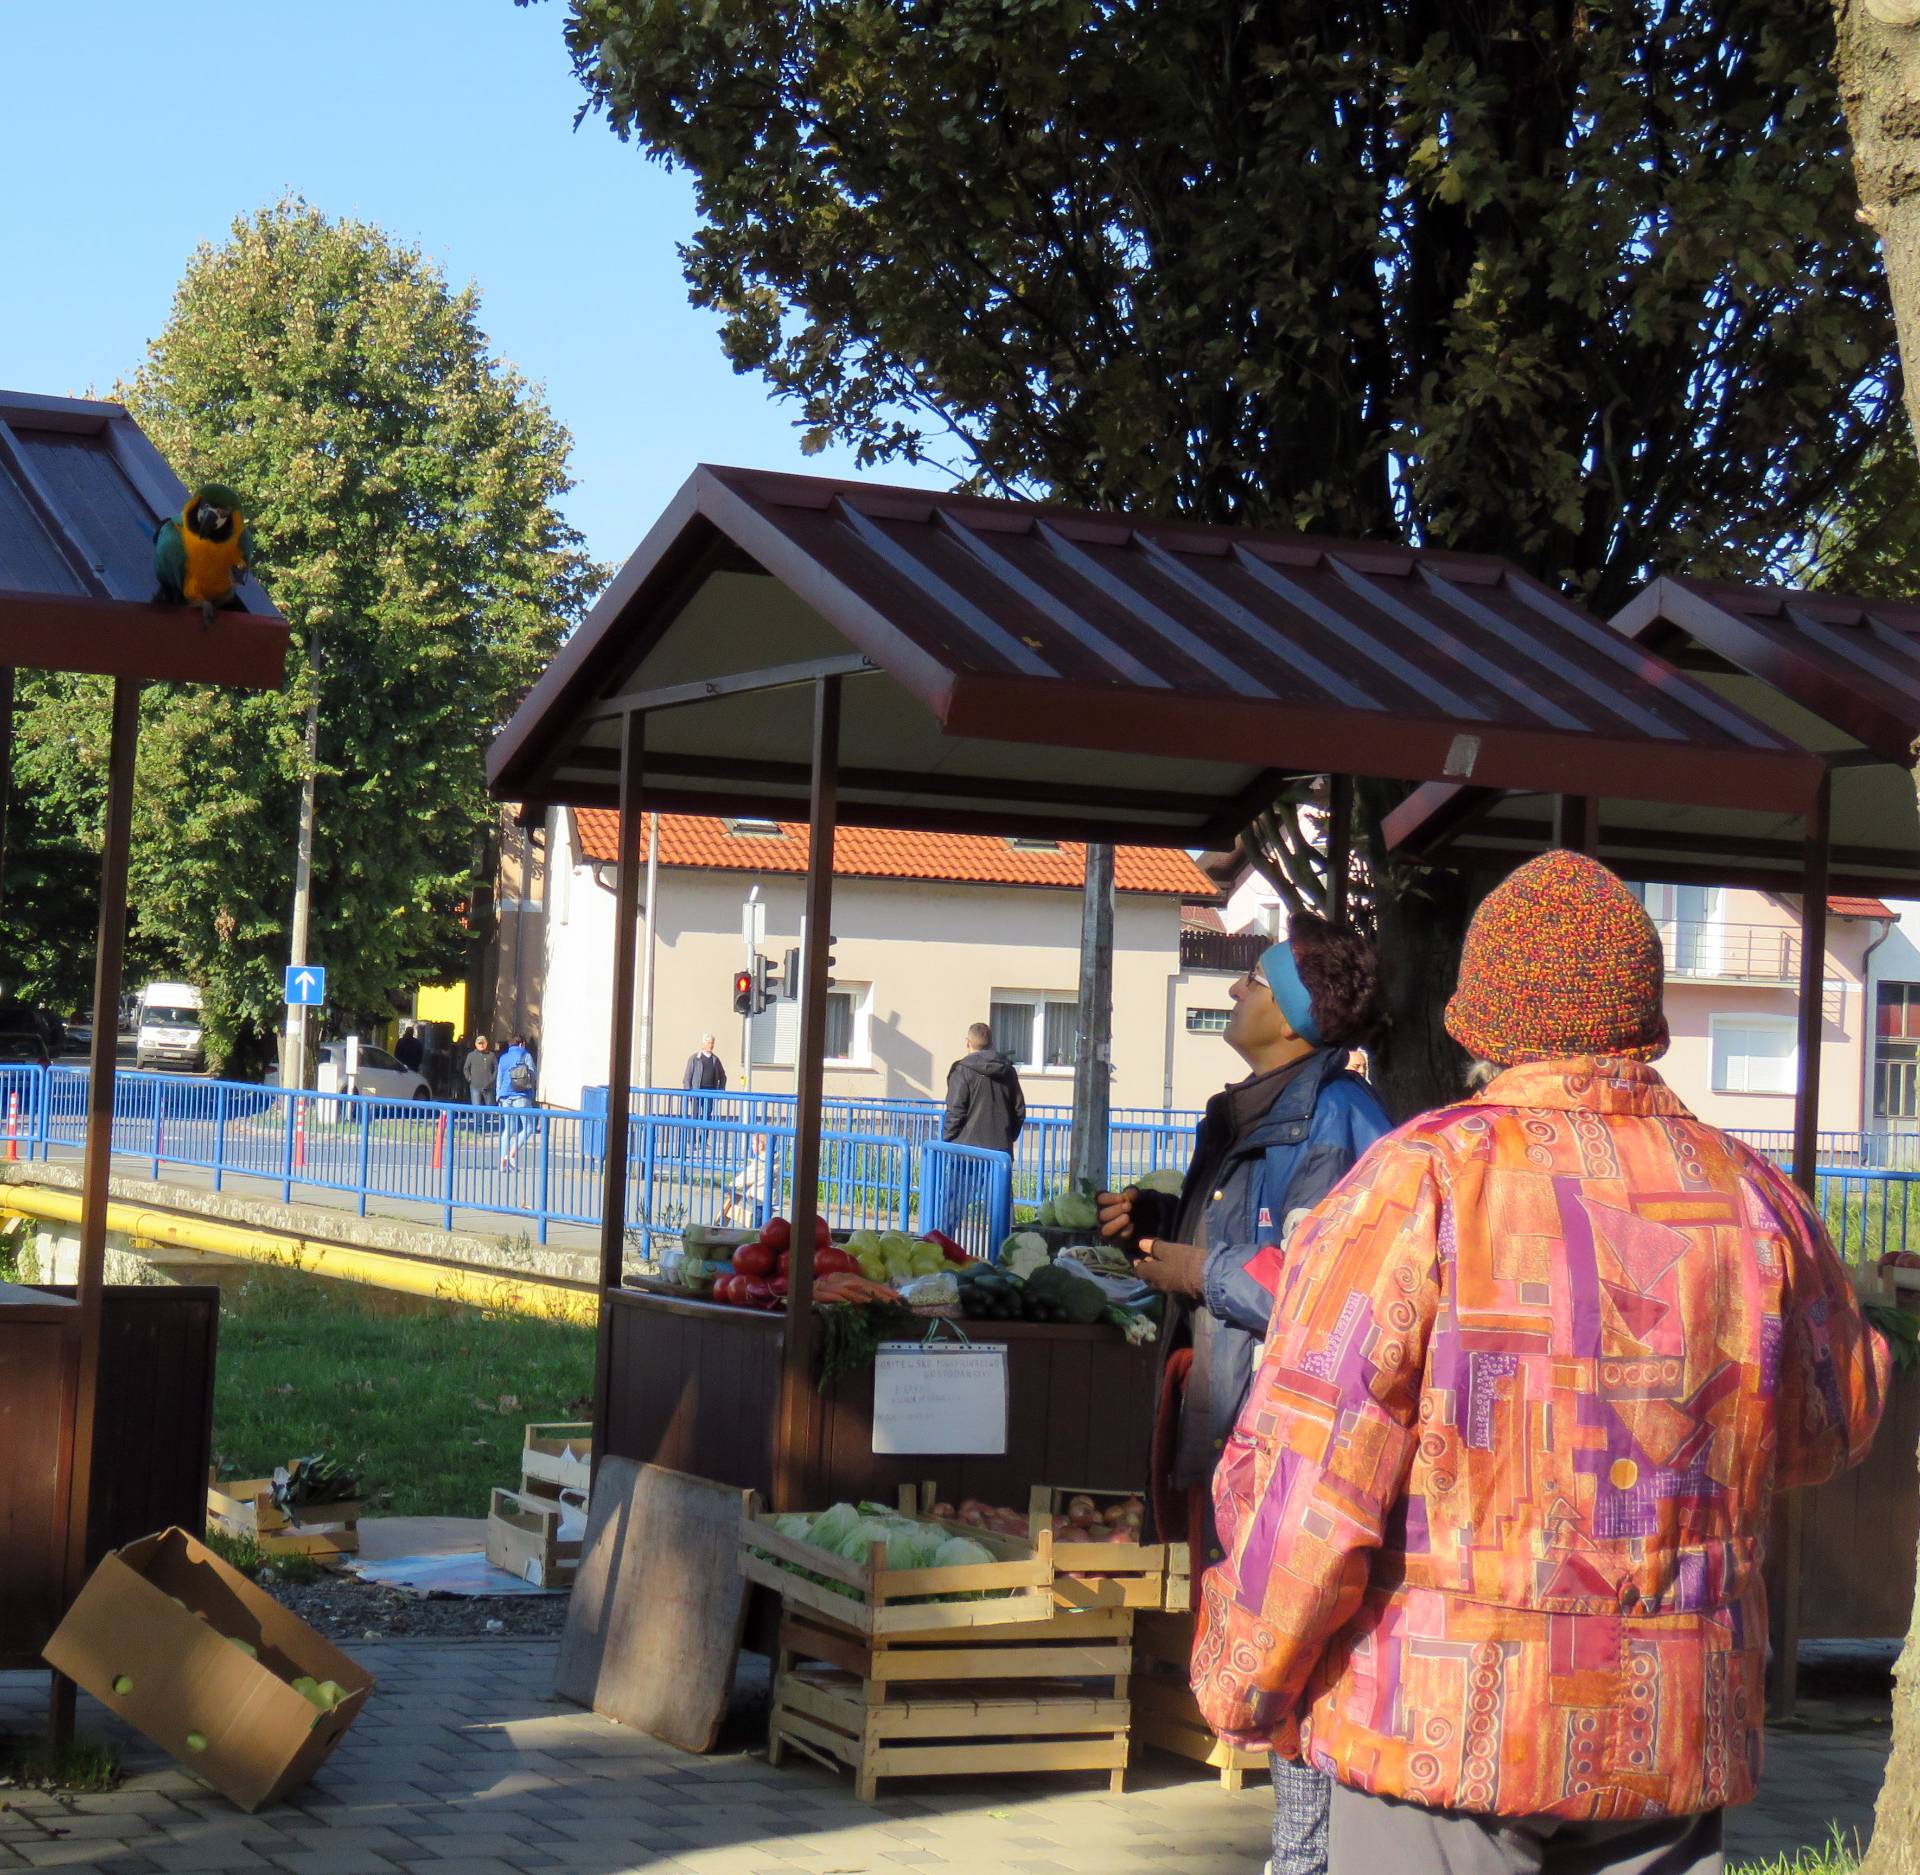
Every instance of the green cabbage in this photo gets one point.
(959, 1552)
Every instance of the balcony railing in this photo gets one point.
(1237, 951)
(1738, 953)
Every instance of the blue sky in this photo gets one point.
(448, 122)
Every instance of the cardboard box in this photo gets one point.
(171, 1674)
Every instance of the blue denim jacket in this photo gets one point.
(1309, 1139)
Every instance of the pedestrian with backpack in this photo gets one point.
(515, 1079)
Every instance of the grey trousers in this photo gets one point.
(1371, 1835)
(1300, 1796)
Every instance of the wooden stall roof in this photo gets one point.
(1071, 674)
(1838, 675)
(81, 490)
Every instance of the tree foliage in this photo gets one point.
(401, 483)
(1582, 285)
(1578, 284)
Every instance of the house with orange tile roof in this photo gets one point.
(932, 932)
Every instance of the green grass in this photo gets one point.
(84, 1763)
(427, 1401)
(243, 1553)
(1835, 1857)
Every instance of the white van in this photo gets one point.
(167, 1032)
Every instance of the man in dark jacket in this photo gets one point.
(985, 1106)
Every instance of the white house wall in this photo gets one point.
(928, 956)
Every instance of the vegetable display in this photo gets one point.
(849, 1531)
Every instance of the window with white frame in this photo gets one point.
(774, 1034)
(1755, 1054)
(1207, 1021)
(1035, 1029)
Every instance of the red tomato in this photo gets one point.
(821, 1233)
(833, 1261)
(776, 1233)
(723, 1286)
(779, 1286)
(756, 1292)
(754, 1259)
(785, 1263)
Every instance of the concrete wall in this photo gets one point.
(924, 960)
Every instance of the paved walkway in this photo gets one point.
(462, 1762)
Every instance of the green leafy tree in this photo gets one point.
(1580, 285)
(401, 483)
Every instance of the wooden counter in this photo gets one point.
(153, 1436)
(695, 1386)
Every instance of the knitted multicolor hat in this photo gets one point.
(1561, 959)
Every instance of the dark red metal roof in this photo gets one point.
(1838, 675)
(1853, 662)
(1259, 653)
(81, 490)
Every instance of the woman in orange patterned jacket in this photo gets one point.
(1495, 1512)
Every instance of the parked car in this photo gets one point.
(378, 1074)
(23, 1037)
(77, 1038)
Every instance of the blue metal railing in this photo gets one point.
(966, 1192)
(707, 1159)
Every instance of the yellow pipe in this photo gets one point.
(419, 1276)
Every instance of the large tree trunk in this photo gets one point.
(1896, 1818)
(1877, 57)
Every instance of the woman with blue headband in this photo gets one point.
(1267, 1150)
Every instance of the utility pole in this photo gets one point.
(293, 1055)
(646, 959)
(1093, 1046)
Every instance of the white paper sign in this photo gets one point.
(943, 1396)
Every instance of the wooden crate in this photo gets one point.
(1166, 1714)
(523, 1537)
(1099, 1575)
(244, 1507)
(1017, 1587)
(945, 1731)
(545, 1467)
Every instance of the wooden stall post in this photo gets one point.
(1573, 820)
(793, 1466)
(613, 1200)
(1806, 1157)
(1339, 846)
(97, 1165)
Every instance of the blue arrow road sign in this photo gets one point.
(306, 985)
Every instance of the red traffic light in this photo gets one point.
(743, 992)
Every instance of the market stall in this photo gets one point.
(105, 1411)
(1840, 677)
(899, 658)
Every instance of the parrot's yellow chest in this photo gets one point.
(211, 565)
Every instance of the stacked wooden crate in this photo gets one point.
(524, 1525)
(244, 1507)
(1166, 1716)
(1033, 1676)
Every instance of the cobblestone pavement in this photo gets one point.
(463, 1761)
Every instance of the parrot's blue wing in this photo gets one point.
(169, 564)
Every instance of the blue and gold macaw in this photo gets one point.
(202, 556)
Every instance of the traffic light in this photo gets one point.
(762, 983)
(743, 992)
(790, 974)
(830, 944)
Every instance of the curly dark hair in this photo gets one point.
(1341, 971)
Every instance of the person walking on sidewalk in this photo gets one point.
(1495, 1511)
(515, 1079)
(479, 1070)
